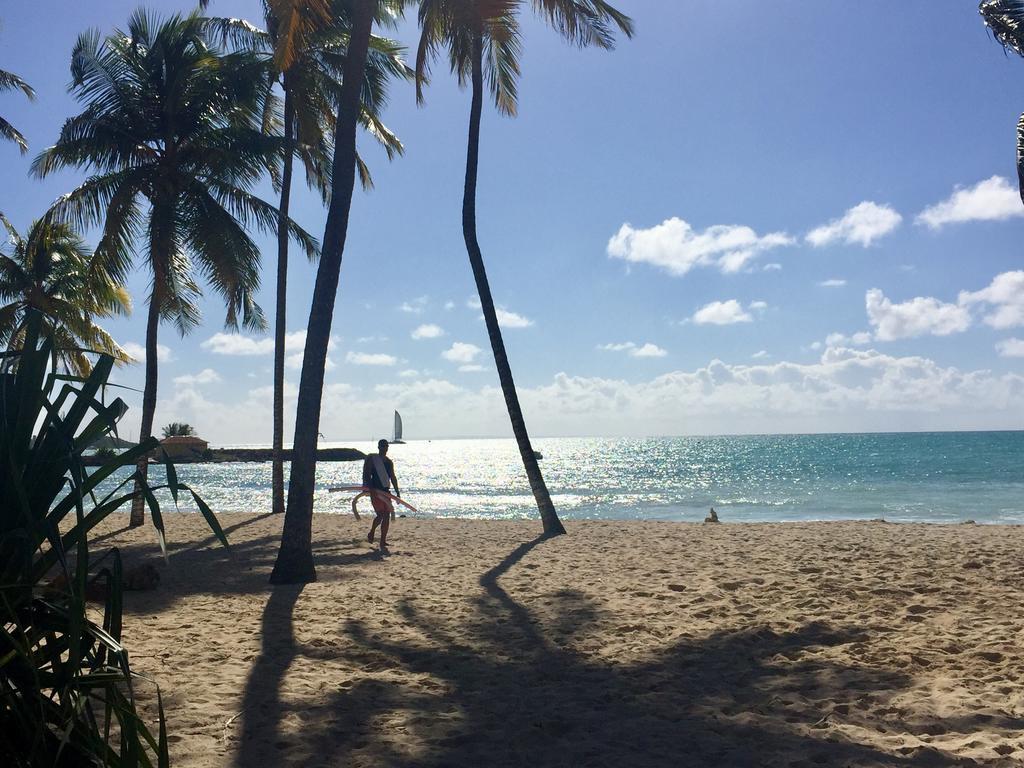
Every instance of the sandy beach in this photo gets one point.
(476, 643)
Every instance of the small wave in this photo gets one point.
(743, 501)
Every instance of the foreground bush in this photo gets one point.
(66, 694)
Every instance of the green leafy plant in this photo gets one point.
(66, 687)
(105, 452)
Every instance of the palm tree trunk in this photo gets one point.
(148, 404)
(280, 319)
(295, 557)
(549, 517)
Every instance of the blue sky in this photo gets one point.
(662, 222)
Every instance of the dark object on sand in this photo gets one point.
(712, 517)
(142, 577)
(97, 590)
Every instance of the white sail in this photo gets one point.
(397, 438)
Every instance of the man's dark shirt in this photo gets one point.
(370, 478)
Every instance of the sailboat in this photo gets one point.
(397, 436)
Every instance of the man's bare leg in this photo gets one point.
(373, 529)
(385, 523)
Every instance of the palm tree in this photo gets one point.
(9, 82)
(295, 558)
(169, 122)
(50, 270)
(1006, 20)
(304, 46)
(482, 39)
(179, 429)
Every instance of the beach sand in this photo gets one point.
(475, 643)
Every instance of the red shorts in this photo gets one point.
(381, 504)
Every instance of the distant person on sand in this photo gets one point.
(379, 474)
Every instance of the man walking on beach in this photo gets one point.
(379, 474)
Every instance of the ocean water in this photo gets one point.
(944, 477)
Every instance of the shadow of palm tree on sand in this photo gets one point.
(511, 690)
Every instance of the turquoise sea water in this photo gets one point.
(924, 477)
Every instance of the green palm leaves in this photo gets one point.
(11, 82)
(1006, 20)
(171, 132)
(51, 271)
(450, 27)
(170, 122)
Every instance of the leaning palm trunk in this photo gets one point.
(549, 517)
(148, 403)
(280, 320)
(295, 557)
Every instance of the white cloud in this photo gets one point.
(721, 313)
(916, 317)
(428, 331)
(648, 350)
(293, 362)
(460, 352)
(860, 225)
(834, 282)
(449, 305)
(859, 339)
(409, 373)
(843, 390)
(471, 368)
(507, 319)
(163, 354)
(758, 306)
(772, 267)
(371, 339)
(635, 350)
(993, 199)
(416, 306)
(1006, 296)
(205, 376)
(237, 344)
(761, 355)
(1010, 348)
(676, 247)
(366, 358)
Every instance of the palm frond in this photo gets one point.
(9, 132)
(10, 82)
(1020, 156)
(363, 170)
(502, 49)
(585, 22)
(248, 208)
(385, 137)
(238, 33)
(1005, 18)
(12, 233)
(297, 21)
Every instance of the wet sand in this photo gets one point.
(476, 643)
